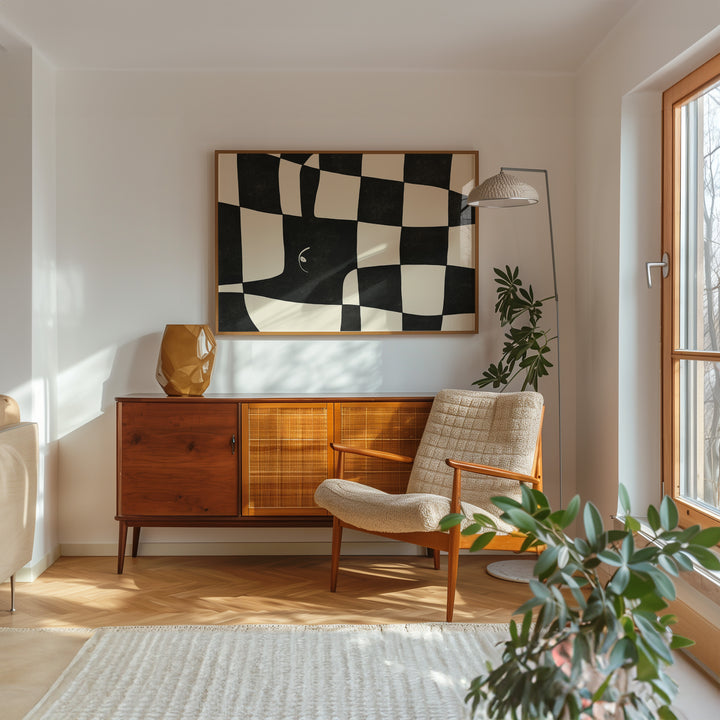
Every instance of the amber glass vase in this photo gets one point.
(185, 363)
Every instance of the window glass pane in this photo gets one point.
(700, 222)
(700, 434)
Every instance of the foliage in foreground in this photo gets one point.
(600, 642)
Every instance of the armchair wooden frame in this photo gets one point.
(451, 541)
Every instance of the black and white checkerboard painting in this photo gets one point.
(345, 242)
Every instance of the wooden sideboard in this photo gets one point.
(232, 461)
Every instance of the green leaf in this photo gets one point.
(582, 547)
(708, 537)
(653, 518)
(645, 554)
(632, 523)
(563, 557)
(451, 520)
(705, 557)
(678, 641)
(571, 511)
(521, 520)
(624, 499)
(668, 514)
(638, 587)
(610, 557)
(505, 503)
(593, 523)
(616, 536)
(620, 580)
(665, 713)
(650, 603)
(646, 668)
(485, 521)
(663, 584)
(684, 561)
(653, 638)
(668, 565)
(546, 562)
(482, 541)
(529, 502)
(628, 548)
(623, 651)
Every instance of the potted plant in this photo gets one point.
(594, 640)
(526, 345)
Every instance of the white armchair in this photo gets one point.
(18, 491)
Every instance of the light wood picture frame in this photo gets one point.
(317, 243)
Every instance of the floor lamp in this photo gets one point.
(502, 191)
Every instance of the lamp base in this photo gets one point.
(520, 571)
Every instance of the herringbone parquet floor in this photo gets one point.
(87, 592)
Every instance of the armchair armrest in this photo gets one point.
(379, 454)
(492, 471)
(458, 466)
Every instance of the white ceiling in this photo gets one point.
(545, 36)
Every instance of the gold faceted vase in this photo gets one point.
(187, 355)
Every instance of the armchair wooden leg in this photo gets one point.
(436, 558)
(453, 559)
(335, 560)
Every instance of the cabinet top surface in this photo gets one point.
(276, 397)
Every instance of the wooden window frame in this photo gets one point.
(674, 98)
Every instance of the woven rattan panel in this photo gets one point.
(393, 427)
(287, 456)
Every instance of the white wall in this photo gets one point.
(44, 309)
(27, 219)
(618, 230)
(135, 243)
(16, 222)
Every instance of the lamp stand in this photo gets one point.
(522, 570)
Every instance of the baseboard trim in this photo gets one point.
(240, 548)
(33, 570)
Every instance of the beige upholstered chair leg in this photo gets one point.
(335, 561)
(12, 593)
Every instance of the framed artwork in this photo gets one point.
(345, 242)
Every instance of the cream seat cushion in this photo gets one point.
(372, 509)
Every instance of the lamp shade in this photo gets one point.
(502, 190)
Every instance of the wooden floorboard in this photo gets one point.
(87, 592)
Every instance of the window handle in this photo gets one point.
(664, 264)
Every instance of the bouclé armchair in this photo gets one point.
(475, 445)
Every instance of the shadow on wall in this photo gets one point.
(297, 366)
(89, 387)
(133, 369)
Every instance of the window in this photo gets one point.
(691, 299)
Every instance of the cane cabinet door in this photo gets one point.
(286, 455)
(177, 459)
(390, 426)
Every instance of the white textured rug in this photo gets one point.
(273, 672)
